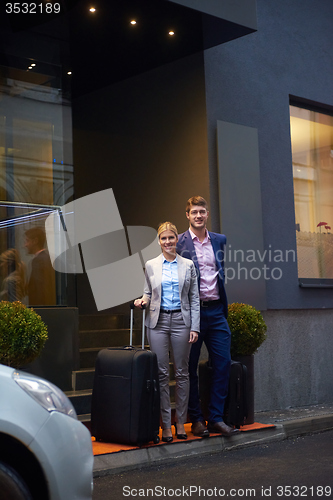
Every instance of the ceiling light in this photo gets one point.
(133, 22)
(30, 67)
(69, 72)
(33, 64)
(92, 9)
(171, 33)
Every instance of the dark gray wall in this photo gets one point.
(146, 138)
(291, 367)
(248, 82)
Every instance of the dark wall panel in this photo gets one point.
(248, 82)
(147, 139)
(241, 214)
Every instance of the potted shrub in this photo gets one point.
(22, 334)
(248, 332)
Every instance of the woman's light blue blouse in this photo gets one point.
(170, 285)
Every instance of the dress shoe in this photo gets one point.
(222, 428)
(180, 436)
(199, 429)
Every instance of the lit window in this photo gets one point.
(312, 144)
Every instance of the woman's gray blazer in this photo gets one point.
(188, 292)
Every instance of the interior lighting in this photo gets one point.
(171, 33)
(33, 64)
(92, 9)
(30, 67)
(133, 22)
(69, 72)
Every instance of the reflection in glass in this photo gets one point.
(36, 177)
(12, 276)
(26, 273)
(312, 156)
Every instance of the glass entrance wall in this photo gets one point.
(26, 272)
(36, 178)
(312, 155)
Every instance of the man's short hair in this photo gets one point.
(36, 233)
(196, 200)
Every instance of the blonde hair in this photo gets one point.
(11, 257)
(166, 226)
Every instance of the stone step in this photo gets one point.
(81, 400)
(83, 379)
(86, 417)
(88, 356)
(103, 321)
(108, 338)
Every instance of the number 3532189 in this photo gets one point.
(32, 8)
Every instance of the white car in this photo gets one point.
(45, 452)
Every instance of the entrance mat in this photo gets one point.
(101, 448)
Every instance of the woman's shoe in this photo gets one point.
(180, 436)
(167, 439)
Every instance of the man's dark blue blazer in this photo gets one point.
(185, 248)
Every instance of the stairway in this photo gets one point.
(95, 333)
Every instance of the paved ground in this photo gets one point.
(299, 467)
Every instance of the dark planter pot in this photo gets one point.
(60, 356)
(248, 361)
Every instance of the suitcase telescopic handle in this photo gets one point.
(131, 323)
(143, 324)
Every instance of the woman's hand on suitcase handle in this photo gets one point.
(193, 337)
(140, 303)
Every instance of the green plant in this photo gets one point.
(22, 334)
(248, 329)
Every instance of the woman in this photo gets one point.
(173, 317)
(12, 273)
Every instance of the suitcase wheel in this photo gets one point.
(156, 439)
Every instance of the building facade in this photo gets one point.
(239, 109)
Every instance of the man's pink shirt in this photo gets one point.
(209, 289)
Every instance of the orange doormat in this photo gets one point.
(100, 448)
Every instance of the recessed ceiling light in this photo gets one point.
(133, 22)
(33, 64)
(171, 33)
(92, 9)
(30, 67)
(69, 72)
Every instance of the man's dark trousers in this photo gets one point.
(214, 331)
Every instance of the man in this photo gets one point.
(41, 285)
(206, 249)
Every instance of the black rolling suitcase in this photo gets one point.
(235, 408)
(126, 400)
